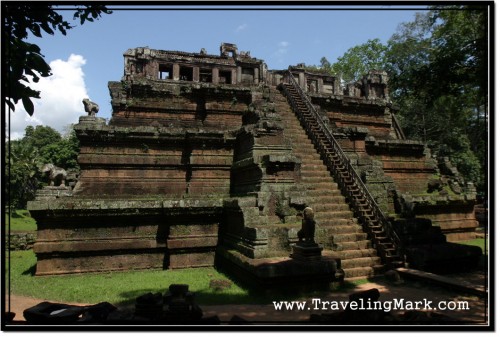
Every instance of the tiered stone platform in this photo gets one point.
(204, 163)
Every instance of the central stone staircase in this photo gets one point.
(337, 230)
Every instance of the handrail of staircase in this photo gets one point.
(346, 161)
(395, 124)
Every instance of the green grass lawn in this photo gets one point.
(481, 243)
(122, 288)
(20, 221)
(117, 287)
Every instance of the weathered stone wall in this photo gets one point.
(201, 153)
(21, 241)
(457, 222)
(350, 112)
(165, 162)
(151, 184)
(157, 103)
(391, 167)
(408, 163)
(90, 236)
(263, 174)
(163, 139)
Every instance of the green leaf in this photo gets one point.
(46, 28)
(28, 106)
(10, 104)
(36, 31)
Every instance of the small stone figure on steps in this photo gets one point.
(306, 234)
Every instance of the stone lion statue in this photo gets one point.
(308, 226)
(56, 175)
(90, 107)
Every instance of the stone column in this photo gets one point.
(238, 75)
(175, 71)
(320, 85)
(233, 76)
(337, 90)
(215, 75)
(196, 74)
(256, 75)
(302, 81)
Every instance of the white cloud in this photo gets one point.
(283, 44)
(241, 27)
(61, 98)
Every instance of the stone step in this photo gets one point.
(280, 100)
(297, 133)
(352, 245)
(331, 191)
(326, 223)
(360, 262)
(309, 167)
(310, 164)
(318, 215)
(333, 206)
(290, 117)
(326, 186)
(321, 195)
(308, 157)
(317, 179)
(307, 162)
(306, 172)
(338, 198)
(294, 129)
(351, 237)
(342, 229)
(333, 215)
(362, 271)
(351, 254)
(293, 125)
(301, 143)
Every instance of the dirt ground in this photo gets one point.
(408, 291)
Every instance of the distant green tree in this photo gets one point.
(23, 172)
(24, 61)
(62, 153)
(325, 64)
(26, 157)
(438, 70)
(358, 60)
(41, 136)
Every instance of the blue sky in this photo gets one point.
(90, 55)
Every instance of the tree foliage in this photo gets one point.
(438, 71)
(437, 66)
(22, 172)
(358, 60)
(26, 156)
(24, 61)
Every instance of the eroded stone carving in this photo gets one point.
(56, 175)
(306, 234)
(90, 107)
